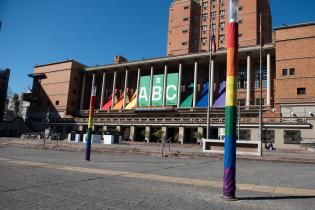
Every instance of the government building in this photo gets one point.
(171, 93)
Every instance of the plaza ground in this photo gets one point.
(46, 179)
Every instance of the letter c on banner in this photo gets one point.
(173, 96)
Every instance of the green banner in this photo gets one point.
(157, 90)
(172, 89)
(144, 91)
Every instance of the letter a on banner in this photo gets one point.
(144, 91)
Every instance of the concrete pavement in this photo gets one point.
(37, 179)
(154, 149)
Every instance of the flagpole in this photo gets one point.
(209, 84)
(229, 182)
(260, 82)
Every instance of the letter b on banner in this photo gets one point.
(157, 91)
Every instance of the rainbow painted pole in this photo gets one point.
(229, 186)
(91, 118)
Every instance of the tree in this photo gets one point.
(198, 136)
(159, 134)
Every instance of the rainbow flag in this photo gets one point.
(229, 186)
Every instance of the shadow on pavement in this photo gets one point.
(275, 198)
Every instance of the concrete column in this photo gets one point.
(125, 88)
(195, 84)
(118, 128)
(268, 80)
(105, 128)
(103, 90)
(114, 87)
(151, 86)
(138, 84)
(82, 92)
(179, 84)
(165, 85)
(181, 135)
(199, 130)
(147, 133)
(164, 129)
(248, 86)
(132, 133)
(211, 83)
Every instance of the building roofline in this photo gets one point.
(294, 25)
(173, 58)
(59, 62)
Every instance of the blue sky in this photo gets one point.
(94, 31)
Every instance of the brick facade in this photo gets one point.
(190, 22)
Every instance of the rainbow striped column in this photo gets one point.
(229, 187)
(91, 118)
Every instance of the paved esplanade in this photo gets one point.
(37, 179)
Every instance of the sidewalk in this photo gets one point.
(154, 149)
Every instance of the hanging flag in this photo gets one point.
(213, 43)
(229, 186)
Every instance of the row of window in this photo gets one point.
(290, 136)
(290, 71)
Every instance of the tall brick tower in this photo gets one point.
(190, 21)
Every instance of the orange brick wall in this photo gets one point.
(294, 49)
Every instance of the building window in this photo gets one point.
(196, 18)
(204, 28)
(222, 1)
(222, 25)
(292, 137)
(268, 136)
(185, 19)
(242, 77)
(222, 13)
(241, 102)
(213, 14)
(257, 76)
(214, 26)
(186, 7)
(213, 2)
(240, 8)
(258, 101)
(284, 72)
(244, 135)
(205, 5)
(301, 91)
(184, 43)
(292, 71)
(203, 41)
(57, 102)
(221, 37)
(205, 17)
(74, 91)
(196, 30)
(185, 31)
(196, 41)
(240, 21)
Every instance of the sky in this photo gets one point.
(92, 32)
